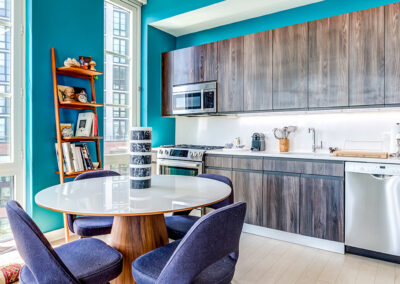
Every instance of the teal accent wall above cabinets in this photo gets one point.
(312, 12)
(73, 28)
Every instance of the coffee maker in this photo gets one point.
(258, 142)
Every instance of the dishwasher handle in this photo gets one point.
(381, 177)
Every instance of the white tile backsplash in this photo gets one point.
(335, 128)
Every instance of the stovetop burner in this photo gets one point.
(195, 147)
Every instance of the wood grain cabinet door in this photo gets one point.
(247, 187)
(166, 83)
(322, 208)
(195, 64)
(258, 71)
(205, 62)
(367, 57)
(328, 52)
(230, 75)
(392, 54)
(184, 66)
(290, 67)
(281, 202)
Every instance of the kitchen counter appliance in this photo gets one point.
(182, 159)
(372, 210)
(258, 142)
(194, 98)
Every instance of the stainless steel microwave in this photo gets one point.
(194, 98)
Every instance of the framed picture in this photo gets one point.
(66, 94)
(72, 94)
(67, 129)
(84, 125)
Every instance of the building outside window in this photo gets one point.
(121, 41)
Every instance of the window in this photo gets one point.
(119, 130)
(121, 43)
(12, 18)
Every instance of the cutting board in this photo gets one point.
(361, 154)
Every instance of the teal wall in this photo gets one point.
(324, 9)
(73, 27)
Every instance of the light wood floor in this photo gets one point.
(264, 260)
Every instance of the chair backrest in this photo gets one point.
(88, 175)
(213, 237)
(225, 180)
(35, 250)
(97, 174)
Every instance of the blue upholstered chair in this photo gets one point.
(207, 254)
(81, 261)
(89, 226)
(180, 222)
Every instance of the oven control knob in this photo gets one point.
(195, 154)
(166, 152)
(200, 155)
(191, 154)
(161, 152)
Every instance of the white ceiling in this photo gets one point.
(223, 13)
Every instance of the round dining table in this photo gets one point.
(139, 225)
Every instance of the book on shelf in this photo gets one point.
(58, 161)
(95, 126)
(76, 157)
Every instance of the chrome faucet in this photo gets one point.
(314, 146)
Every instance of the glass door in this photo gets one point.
(12, 110)
(121, 80)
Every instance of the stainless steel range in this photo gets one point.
(182, 159)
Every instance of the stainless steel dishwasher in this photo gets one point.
(372, 210)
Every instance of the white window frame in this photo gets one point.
(135, 90)
(16, 166)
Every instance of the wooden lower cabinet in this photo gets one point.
(322, 208)
(281, 202)
(248, 187)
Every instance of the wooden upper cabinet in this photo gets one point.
(258, 71)
(195, 64)
(329, 62)
(230, 75)
(367, 57)
(392, 54)
(184, 66)
(290, 61)
(166, 83)
(205, 62)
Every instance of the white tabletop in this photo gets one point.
(112, 196)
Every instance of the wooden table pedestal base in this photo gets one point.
(134, 236)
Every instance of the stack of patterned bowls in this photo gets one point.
(140, 160)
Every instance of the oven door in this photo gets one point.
(176, 167)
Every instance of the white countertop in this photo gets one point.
(312, 156)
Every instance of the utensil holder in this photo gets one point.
(140, 157)
(284, 145)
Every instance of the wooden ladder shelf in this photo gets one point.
(82, 74)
